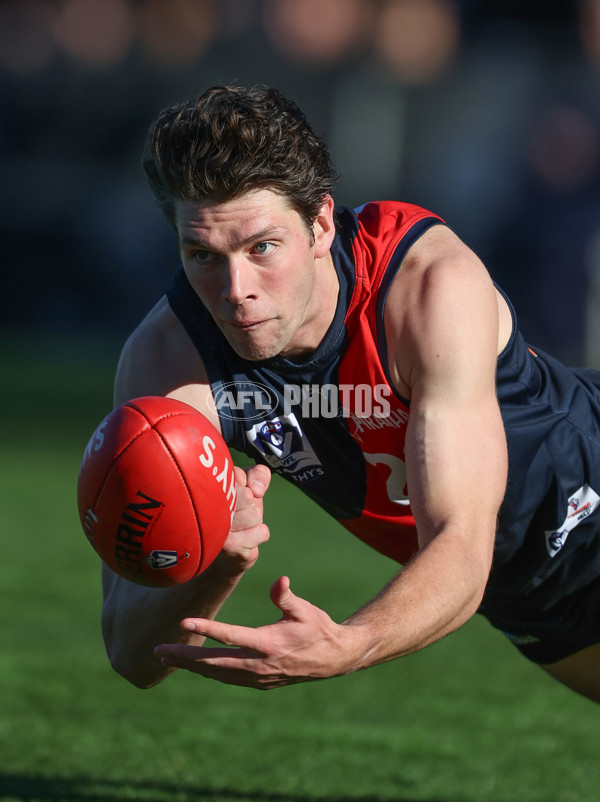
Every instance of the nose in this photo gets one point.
(238, 281)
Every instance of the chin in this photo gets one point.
(254, 353)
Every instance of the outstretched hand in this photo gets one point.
(305, 644)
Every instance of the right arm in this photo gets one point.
(159, 359)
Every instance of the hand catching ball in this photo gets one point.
(156, 491)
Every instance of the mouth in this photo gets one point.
(245, 325)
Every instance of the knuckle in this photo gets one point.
(240, 476)
(246, 521)
(264, 471)
(245, 498)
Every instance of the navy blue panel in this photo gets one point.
(404, 245)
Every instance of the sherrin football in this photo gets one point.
(156, 491)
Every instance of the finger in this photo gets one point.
(241, 478)
(243, 669)
(248, 510)
(227, 634)
(258, 479)
(206, 655)
(246, 538)
(212, 663)
(245, 498)
(282, 597)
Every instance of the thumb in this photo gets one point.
(282, 597)
(258, 479)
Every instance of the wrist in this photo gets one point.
(361, 645)
(225, 570)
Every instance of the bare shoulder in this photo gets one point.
(442, 300)
(159, 358)
(440, 256)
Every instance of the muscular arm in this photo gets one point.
(159, 359)
(455, 449)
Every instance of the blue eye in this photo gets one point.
(264, 248)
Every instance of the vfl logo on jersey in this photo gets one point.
(286, 448)
(580, 505)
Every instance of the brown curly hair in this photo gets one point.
(232, 140)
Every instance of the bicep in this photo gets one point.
(456, 467)
(455, 447)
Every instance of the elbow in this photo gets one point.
(132, 672)
(141, 671)
(478, 585)
(476, 599)
(474, 581)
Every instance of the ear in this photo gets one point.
(324, 228)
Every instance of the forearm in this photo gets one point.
(433, 596)
(135, 619)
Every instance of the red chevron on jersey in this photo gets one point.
(385, 233)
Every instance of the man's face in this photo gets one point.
(269, 286)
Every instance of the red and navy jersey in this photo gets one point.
(332, 424)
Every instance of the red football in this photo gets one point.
(156, 491)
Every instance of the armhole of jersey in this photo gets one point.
(186, 306)
(407, 241)
(513, 316)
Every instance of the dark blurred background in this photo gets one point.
(485, 111)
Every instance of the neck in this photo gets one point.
(322, 309)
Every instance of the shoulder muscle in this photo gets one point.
(160, 359)
(441, 315)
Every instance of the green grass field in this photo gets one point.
(467, 719)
